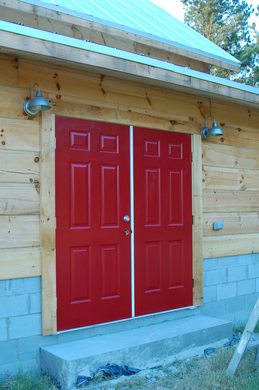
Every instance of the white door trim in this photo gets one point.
(132, 223)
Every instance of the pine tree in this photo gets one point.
(226, 23)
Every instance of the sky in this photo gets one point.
(175, 7)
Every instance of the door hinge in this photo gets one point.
(191, 156)
(192, 283)
(192, 219)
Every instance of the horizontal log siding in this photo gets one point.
(230, 163)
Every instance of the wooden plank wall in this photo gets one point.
(230, 163)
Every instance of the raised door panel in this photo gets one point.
(163, 220)
(92, 195)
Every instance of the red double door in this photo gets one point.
(95, 274)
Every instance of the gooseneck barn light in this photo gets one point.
(215, 130)
(36, 104)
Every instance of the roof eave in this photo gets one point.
(17, 9)
(124, 64)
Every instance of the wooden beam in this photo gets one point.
(19, 166)
(17, 134)
(88, 29)
(19, 198)
(234, 223)
(230, 245)
(48, 224)
(246, 336)
(197, 219)
(230, 179)
(19, 231)
(230, 156)
(231, 201)
(15, 43)
(20, 263)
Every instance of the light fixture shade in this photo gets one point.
(36, 104)
(215, 130)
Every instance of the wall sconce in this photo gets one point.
(215, 130)
(36, 104)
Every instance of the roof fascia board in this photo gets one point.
(38, 8)
(75, 51)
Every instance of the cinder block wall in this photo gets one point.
(20, 319)
(231, 286)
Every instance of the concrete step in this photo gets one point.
(144, 347)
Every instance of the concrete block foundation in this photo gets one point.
(231, 287)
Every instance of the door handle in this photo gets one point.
(126, 218)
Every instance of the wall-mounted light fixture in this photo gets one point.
(36, 104)
(214, 130)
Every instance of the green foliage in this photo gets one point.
(226, 23)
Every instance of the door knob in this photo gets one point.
(126, 218)
(127, 232)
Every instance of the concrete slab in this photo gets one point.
(143, 347)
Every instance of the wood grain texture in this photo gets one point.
(197, 220)
(229, 156)
(48, 224)
(230, 190)
(234, 223)
(18, 134)
(230, 245)
(19, 231)
(19, 199)
(20, 263)
(230, 179)
(50, 51)
(19, 167)
(238, 136)
(230, 201)
(62, 23)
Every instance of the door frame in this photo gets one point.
(48, 221)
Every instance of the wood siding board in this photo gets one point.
(230, 156)
(230, 245)
(230, 201)
(229, 191)
(118, 66)
(197, 220)
(237, 137)
(19, 231)
(20, 263)
(230, 179)
(19, 199)
(19, 167)
(234, 223)
(48, 224)
(16, 134)
(50, 20)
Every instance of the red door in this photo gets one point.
(92, 196)
(163, 220)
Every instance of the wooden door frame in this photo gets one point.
(48, 222)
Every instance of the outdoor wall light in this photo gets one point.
(215, 130)
(36, 104)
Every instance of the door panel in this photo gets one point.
(163, 220)
(92, 196)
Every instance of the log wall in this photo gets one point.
(230, 163)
